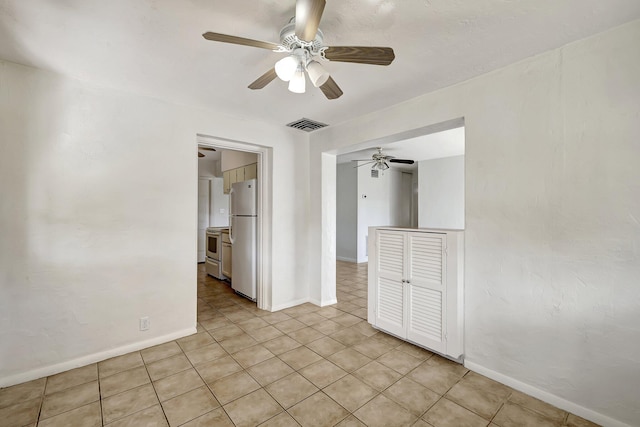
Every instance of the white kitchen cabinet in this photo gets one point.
(240, 174)
(251, 171)
(230, 178)
(416, 286)
(226, 178)
(243, 173)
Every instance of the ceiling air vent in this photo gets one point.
(306, 125)
(374, 173)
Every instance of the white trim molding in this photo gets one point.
(545, 396)
(45, 371)
(290, 304)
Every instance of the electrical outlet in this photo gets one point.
(144, 324)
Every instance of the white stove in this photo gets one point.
(213, 262)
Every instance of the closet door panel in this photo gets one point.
(390, 292)
(427, 290)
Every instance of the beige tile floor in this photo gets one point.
(305, 365)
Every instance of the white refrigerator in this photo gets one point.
(243, 220)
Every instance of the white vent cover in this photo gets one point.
(306, 125)
(374, 173)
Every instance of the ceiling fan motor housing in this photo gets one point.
(289, 41)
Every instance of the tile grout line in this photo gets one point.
(44, 391)
(100, 394)
(154, 389)
(198, 373)
(228, 354)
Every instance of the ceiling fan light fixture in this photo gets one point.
(297, 82)
(317, 74)
(380, 165)
(287, 67)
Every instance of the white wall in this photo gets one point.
(379, 203)
(219, 213)
(400, 199)
(552, 230)
(415, 191)
(441, 193)
(98, 219)
(209, 168)
(217, 199)
(346, 212)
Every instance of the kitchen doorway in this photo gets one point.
(263, 208)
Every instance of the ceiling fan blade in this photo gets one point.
(331, 89)
(207, 148)
(360, 54)
(403, 161)
(225, 38)
(264, 79)
(200, 154)
(308, 15)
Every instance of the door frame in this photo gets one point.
(265, 190)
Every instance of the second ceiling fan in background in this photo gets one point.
(206, 149)
(303, 43)
(380, 161)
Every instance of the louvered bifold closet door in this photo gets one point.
(390, 297)
(427, 290)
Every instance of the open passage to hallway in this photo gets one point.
(305, 365)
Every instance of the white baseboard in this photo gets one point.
(328, 302)
(323, 303)
(545, 396)
(289, 304)
(45, 371)
(341, 258)
(302, 301)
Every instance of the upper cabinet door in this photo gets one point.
(240, 175)
(251, 171)
(226, 182)
(390, 292)
(426, 280)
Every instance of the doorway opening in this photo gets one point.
(426, 194)
(220, 183)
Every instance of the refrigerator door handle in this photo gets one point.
(230, 229)
(231, 214)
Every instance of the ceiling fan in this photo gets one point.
(380, 161)
(205, 149)
(303, 42)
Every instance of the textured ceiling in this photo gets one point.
(155, 47)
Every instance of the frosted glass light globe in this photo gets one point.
(317, 74)
(286, 67)
(297, 82)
